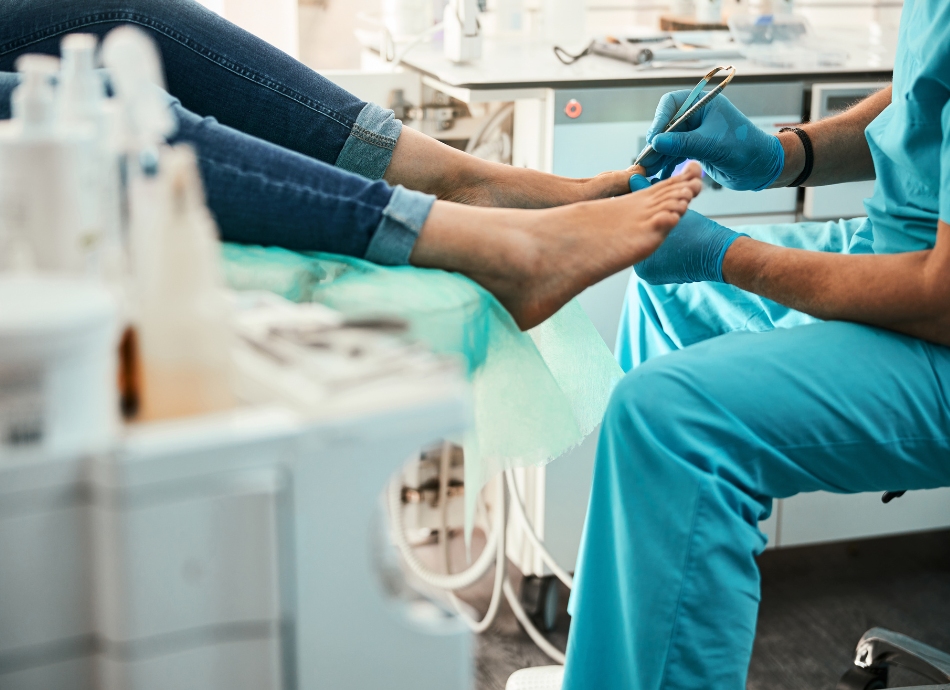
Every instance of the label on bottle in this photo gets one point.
(22, 408)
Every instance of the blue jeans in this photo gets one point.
(731, 401)
(287, 157)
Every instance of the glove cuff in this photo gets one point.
(722, 251)
(778, 163)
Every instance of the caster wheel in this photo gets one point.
(540, 597)
(863, 679)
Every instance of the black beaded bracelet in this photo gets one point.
(809, 155)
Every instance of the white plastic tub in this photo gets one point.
(57, 365)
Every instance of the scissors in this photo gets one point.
(696, 100)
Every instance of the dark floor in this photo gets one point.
(816, 603)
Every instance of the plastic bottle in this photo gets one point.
(137, 79)
(184, 322)
(84, 112)
(138, 122)
(57, 365)
(40, 193)
(81, 90)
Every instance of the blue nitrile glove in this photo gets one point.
(692, 252)
(732, 150)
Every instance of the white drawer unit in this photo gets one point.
(46, 615)
(600, 129)
(838, 200)
(238, 551)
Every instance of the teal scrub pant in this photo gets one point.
(732, 401)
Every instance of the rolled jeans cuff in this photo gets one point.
(396, 235)
(369, 148)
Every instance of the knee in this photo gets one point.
(651, 397)
(649, 448)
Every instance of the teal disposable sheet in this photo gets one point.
(536, 394)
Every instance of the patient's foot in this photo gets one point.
(534, 262)
(422, 163)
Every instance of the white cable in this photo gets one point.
(539, 639)
(461, 580)
(419, 38)
(494, 552)
(445, 463)
(386, 37)
(487, 126)
(501, 563)
(548, 559)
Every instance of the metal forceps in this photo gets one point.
(696, 100)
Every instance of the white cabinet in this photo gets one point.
(239, 551)
(838, 200)
(819, 517)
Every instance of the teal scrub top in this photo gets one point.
(910, 139)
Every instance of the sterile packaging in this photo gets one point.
(57, 365)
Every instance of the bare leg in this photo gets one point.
(427, 165)
(534, 261)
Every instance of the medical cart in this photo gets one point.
(239, 550)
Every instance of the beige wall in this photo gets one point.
(326, 32)
(274, 20)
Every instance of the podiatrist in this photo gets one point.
(764, 363)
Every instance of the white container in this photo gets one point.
(565, 22)
(57, 365)
(709, 11)
(508, 17)
(84, 113)
(683, 8)
(40, 175)
(406, 19)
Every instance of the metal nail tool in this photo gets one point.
(697, 99)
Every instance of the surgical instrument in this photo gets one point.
(696, 100)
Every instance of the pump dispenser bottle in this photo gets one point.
(40, 191)
(83, 112)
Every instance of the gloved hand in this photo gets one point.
(692, 252)
(733, 151)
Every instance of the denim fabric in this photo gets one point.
(8, 82)
(402, 221)
(267, 129)
(265, 194)
(369, 148)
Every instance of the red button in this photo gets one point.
(573, 109)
